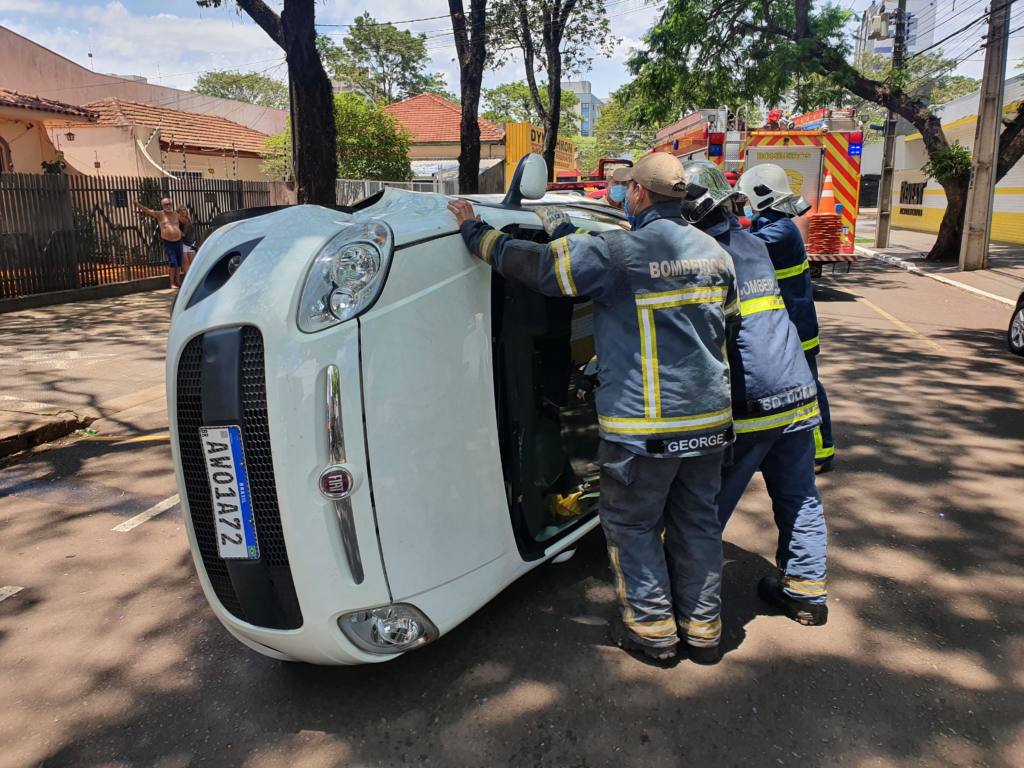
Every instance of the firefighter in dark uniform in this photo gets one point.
(664, 304)
(775, 408)
(775, 205)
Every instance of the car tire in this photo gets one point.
(1015, 332)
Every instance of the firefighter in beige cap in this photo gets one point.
(664, 303)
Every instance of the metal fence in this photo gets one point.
(350, 191)
(62, 232)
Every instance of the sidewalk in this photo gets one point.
(1003, 280)
(66, 366)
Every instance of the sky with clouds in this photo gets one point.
(172, 42)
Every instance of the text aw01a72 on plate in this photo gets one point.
(229, 491)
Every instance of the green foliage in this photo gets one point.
(381, 62)
(512, 103)
(616, 133)
(56, 166)
(952, 164)
(705, 54)
(371, 145)
(587, 33)
(250, 87)
(150, 192)
(926, 77)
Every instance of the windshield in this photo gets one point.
(594, 212)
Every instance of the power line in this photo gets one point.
(962, 29)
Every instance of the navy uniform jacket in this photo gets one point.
(792, 270)
(773, 388)
(664, 296)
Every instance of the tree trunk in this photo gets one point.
(951, 230)
(552, 122)
(471, 53)
(313, 128)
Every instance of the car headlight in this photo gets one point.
(388, 629)
(346, 277)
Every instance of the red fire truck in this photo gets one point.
(820, 143)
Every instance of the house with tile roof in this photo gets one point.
(25, 143)
(433, 122)
(129, 138)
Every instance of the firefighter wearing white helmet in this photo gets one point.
(775, 205)
(774, 406)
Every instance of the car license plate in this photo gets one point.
(233, 520)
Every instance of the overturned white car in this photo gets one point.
(373, 432)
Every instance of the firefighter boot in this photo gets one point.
(801, 611)
(663, 652)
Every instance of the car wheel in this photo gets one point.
(1015, 333)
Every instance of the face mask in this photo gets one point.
(625, 209)
(748, 211)
(617, 193)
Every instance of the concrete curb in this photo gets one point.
(909, 266)
(49, 427)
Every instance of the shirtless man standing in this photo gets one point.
(170, 234)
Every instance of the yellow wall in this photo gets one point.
(523, 138)
(1008, 215)
(29, 144)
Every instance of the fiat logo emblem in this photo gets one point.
(336, 483)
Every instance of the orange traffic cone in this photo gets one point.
(827, 201)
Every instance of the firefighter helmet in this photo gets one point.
(767, 186)
(707, 188)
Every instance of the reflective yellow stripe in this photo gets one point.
(620, 584)
(678, 298)
(776, 420)
(706, 628)
(809, 587)
(810, 343)
(732, 309)
(656, 630)
(487, 244)
(627, 426)
(649, 362)
(820, 451)
(799, 269)
(761, 304)
(563, 267)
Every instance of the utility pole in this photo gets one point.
(978, 219)
(899, 44)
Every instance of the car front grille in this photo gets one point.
(261, 591)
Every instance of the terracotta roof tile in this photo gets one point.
(431, 118)
(24, 101)
(177, 127)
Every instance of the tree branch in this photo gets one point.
(1011, 144)
(265, 17)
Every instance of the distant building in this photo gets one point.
(920, 27)
(919, 202)
(126, 138)
(25, 144)
(433, 122)
(30, 68)
(589, 106)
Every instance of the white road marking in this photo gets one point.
(149, 514)
(6, 592)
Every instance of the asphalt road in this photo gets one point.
(110, 656)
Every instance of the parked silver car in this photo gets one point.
(1015, 333)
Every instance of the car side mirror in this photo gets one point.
(529, 182)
